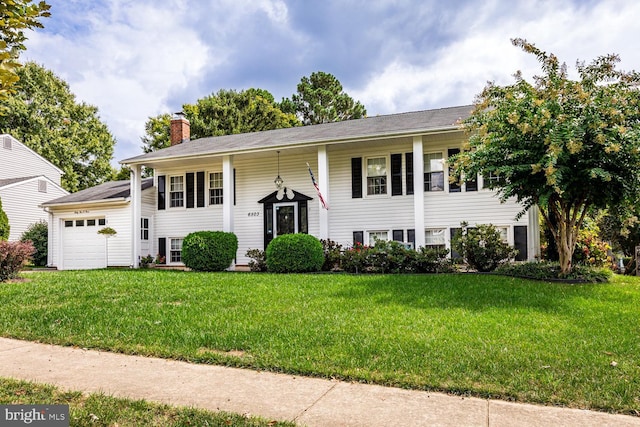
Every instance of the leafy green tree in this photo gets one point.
(621, 230)
(45, 116)
(223, 113)
(15, 17)
(5, 228)
(38, 234)
(321, 99)
(565, 146)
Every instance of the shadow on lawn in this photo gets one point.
(468, 291)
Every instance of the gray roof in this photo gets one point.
(9, 181)
(108, 190)
(349, 130)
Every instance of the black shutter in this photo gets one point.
(190, 190)
(520, 242)
(162, 248)
(396, 174)
(356, 178)
(411, 237)
(454, 187)
(398, 235)
(200, 189)
(358, 237)
(303, 221)
(234, 186)
(408, 160)
(452, 234)
(161, 192)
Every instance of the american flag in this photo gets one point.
(315, 184)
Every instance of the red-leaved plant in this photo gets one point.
(14, 256)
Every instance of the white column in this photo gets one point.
(418, 190)
(227, 193)
(533, 237)
(50, 237)
(323, 183)
(136, 213)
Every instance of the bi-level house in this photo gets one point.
(26, 180)
(382, 177)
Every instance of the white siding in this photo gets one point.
(149, 247)
(20, 202)
(20, 161)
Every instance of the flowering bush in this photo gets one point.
(14, 256)
(590, 250)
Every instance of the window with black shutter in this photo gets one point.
(396, 174)
(358, 237)
(520, 242)
(200, 189)
(161, 192)
(162, 250)
(356, 178)
(398, 235)
(191, 199)
(408, 161)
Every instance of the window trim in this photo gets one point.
(369, 234)
(442, 245)
(144, 230)
(172, 192)
(430, 172)
(210, 188)
(387, 177)
(171, 250)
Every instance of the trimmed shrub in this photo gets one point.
(551, 271)
(4, 224)
(13, 256)
(431, 260)
(38, 234)
(258, 261)
(482, 248)
(294, 253)
(209, 250)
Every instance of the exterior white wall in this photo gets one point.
(20, 161)
(149, 247)
(20, 202)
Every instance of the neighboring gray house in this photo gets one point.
(26, 180)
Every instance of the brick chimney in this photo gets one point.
(180, 129)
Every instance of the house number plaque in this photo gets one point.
(254, 214)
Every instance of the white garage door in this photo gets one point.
(82, 247)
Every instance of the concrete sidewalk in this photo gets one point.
(306, 401)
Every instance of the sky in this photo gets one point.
(135, 59)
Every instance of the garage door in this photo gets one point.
(82, 247)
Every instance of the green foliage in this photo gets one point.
(392, 257)
(258, 260)
(552, 271)
(209, 250)
(38, 235)
(482, 247)
(567, 146)
(46, 118)
(332, 255)
(623, 233)
(294, 253)
(145, 261)
(13, 257)
(5, 228)
(16, 16)
(226, 112)
(321, 99)
(107, 231)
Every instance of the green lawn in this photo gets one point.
(102, 410)
(483, 335)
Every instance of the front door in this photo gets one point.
(284, 217)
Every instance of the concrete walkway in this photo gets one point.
(306, 401)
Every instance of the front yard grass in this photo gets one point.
(482, 335)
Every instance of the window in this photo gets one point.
(42, 186)
(377, 176)
(454, 187)
(6, 142)
(433, 172)
(68, 223)
(144, 228)
(79, 222)
(434, 238)
(215, 188)
(491, 178)
(102, 221)
(377, 235)
(91, 223)
(503, 233)
(176, 191)
(176, 250)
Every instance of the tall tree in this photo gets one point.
(566, 146)
(223, 113)
(15, 17)
(44, 115)
(321, 99)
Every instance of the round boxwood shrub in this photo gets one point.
(209, 250)
(294, 253)
(38, 233)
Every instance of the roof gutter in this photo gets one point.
(97, 203)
